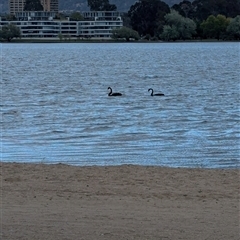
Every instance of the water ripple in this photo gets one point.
(57, 108)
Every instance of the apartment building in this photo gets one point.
(99, 24)
(50, 5)
(96, 25)
(18, 6)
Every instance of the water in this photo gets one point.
(55, 108)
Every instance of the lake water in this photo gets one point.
(55, 107)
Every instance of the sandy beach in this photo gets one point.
(41, 201)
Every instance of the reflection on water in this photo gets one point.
(55, 108)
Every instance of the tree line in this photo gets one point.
(155, 20)
(199, 19)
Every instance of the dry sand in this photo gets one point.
(126, 202)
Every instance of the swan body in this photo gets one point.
(156, 94)
(113, 94)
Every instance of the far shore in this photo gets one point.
(56, 40)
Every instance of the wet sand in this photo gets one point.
(125, 202)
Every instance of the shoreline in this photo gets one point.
(198, 167)
(114, 41)
(60, 201)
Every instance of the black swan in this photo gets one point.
(113, 94)
(157, 94)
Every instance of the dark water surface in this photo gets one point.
(55, 108)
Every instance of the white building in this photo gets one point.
(96, 25)
(99, 24)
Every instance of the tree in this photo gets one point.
(10, 17)
(215, 27)
(126, 20)
(179, 27)
(208, 27)
(170, 33)
(9, 32)
(146, 16)
(125, 33)
(204, 8)
(110, 7)
(185, 8)
(76, 16)
(187, 29)
(33, 5)
(101, 5)
(60, 16)
(60, 36)
(233, 29)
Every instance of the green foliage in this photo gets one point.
(60, 36)
(126, 20)
(76, 16)
(188, 28)
(9, 32)
(101, 5)
(10, 17)
(178, 27)
(125, 33)
(147, 15)
(216, 19)
(200, 10)
(60, 16)
(170, 33)
(215, 27)
(233, 29)
(185, 8)
(208, 27)
(81, 5)
(147, 37)
(229, 8)
(205, 8)
(33, 5)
